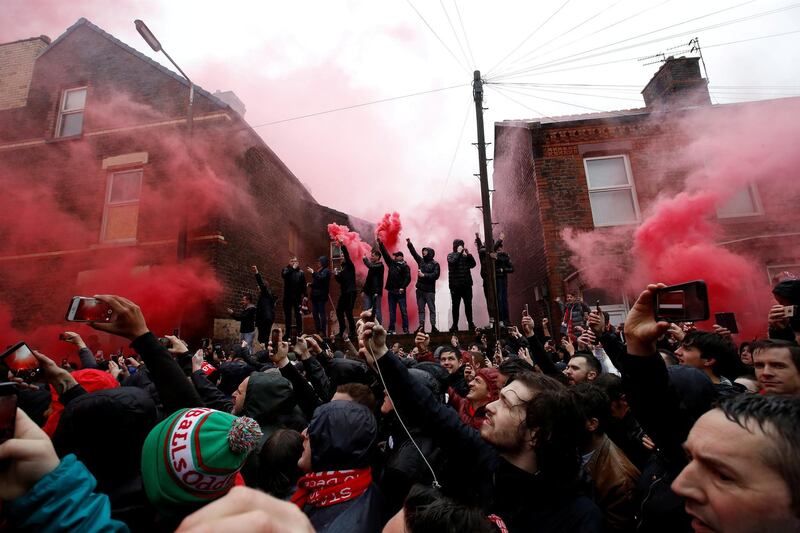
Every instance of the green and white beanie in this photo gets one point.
(194, 456)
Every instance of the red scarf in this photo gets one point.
(322, 489)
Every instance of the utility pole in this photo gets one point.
(486, 208)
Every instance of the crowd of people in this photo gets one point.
(651, 426)
(298, 291)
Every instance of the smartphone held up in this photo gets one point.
(686, 302)
(19, 359)
(83, 309)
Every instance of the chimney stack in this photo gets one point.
(678, 83)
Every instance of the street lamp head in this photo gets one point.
(147, 35)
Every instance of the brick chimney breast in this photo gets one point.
(678, 83)
(16, 69)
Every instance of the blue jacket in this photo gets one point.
(64, 500)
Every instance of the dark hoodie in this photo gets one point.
(399, 273)
(270, 401)
(459, 266)
(428, 268)
(342, 436)
(106, 430)
(321, 281)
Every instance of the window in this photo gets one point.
(70, 115)
(121, 215)
(611, 191)
(745, 203)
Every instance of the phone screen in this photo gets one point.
(687, 302)
(727, 321)
(294, 335)
(8, 411)
(21, 361)
(83, 309)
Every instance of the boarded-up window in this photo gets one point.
(121, 216)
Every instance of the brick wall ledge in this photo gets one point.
(94, 247)
(172, 122)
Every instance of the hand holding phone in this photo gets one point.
(21, 361)
(83, 309)
(687, 302)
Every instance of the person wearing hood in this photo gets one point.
(101, 428)
(459, 265)
(373, 285)
(346, 277)
(427, 274)
(337, 493)
(502, 268)
(396, 283)
(294, 288)
(320, 288)
(265, 307)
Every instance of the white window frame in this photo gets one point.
(759, 208)
(631, 186)
(108, 203)
(62, 111)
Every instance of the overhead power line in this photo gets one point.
(455, 154)
(561, 35)
(607, 27)
(625, 59)
(526, 39)
(437, 36)
(455, 33)
(593, 52)
(464, 31)
(354, 106)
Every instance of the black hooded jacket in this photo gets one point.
(399, 273)
(321, 281)
(459, 266)
(106, 430)
(342, 436)
(428, 268)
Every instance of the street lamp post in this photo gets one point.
(153, 42)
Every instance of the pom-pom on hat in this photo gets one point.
(194, 456)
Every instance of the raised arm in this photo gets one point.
(385, 253)
(413, 252)
(175, 391)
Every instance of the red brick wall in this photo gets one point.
(558, 195)
(255, 230)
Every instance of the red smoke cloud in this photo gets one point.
(389, 229)
(53, 205)
(679, 239)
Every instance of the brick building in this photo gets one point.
(601, 171)
(100, 129)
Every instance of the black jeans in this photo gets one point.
(290, 310)
(344, 310)
(426, 299)
(457, 294)
(264, 329)
(320, 316)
